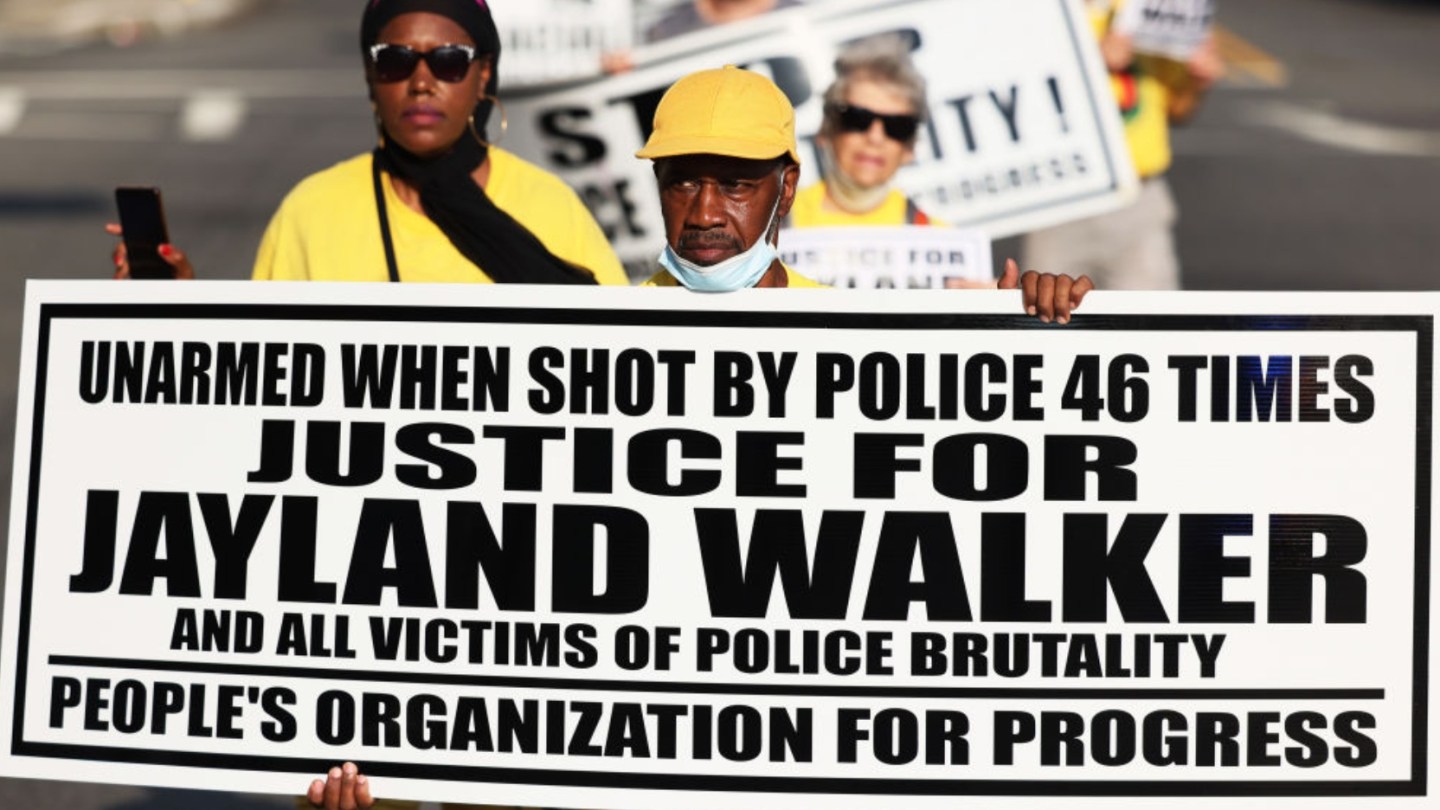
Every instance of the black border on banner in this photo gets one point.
(1421, 325)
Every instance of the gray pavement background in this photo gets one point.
(1333, 181)
(1330, 180)
(39, 26)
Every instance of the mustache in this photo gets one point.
(708, 239)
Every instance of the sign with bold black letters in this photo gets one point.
(655, 549)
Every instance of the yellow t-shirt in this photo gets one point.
(809, 211)
(1144, 101)
(792, 279)
(327, 228)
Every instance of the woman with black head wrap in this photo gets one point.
(434, 201)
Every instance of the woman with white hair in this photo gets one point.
(872, 117)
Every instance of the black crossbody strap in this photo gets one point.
(384, 221)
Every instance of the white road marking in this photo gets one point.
(12, 108)
(212, 115)
(1331, 129)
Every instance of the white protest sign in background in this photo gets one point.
(551, 40)
(1023, 131)
(914, 256)
(1173, 28)
(655, 549)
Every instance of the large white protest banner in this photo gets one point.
(657, 549)
(1023, 128)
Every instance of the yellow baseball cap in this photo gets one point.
(729, 112)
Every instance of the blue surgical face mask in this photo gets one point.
(738, 272)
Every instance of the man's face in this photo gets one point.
(717, 207)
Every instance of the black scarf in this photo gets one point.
(490, 238)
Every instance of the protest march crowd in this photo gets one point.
(435, 201)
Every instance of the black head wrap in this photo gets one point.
(487, 236)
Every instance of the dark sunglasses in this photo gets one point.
(858, 119)
(395, 63)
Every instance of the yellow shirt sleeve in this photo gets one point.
(553, 212)
(279, 243)
(264, 269)
(327, 228)
(810, 211)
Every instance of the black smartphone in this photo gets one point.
(142, 218)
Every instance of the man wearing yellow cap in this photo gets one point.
(727, 167)
(725, 161)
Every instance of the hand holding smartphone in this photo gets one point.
(142, 221)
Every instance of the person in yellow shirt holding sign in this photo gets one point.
(872, 116)
(726, 163)
(727, 166)
(440, 201)
(1133, 248)
(435, 201)
(723, 147)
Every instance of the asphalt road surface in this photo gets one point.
(1315, 166)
